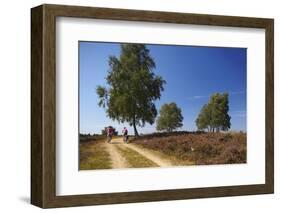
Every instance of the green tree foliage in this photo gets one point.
(204, 118)
(170, 118)
(133, 87)
(214, 115)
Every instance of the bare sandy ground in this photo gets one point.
(118, 161)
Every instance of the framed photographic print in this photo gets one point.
(136, 106)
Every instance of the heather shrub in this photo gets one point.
(201, 148)
(226, 137)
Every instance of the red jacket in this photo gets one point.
(109, 130)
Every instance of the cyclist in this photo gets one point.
(109, 130)
(125, 135)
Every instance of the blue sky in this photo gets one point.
(192, 75)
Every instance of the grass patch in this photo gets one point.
(93, 155)
(134, 159)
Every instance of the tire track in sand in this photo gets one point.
(144, 152)
(118, 161)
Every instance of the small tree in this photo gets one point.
(204, 118)
(170, 118)
(214, 115)
(220, 119)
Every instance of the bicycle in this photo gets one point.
(126, 138)
(109, 138)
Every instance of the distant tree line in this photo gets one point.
(87, 134)
(213, 116)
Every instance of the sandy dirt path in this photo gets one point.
(118, 161)
(144, 152)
